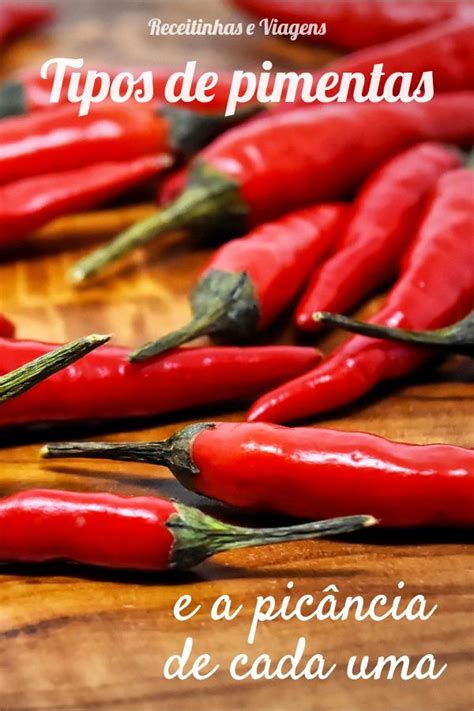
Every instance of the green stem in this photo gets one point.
(457, 338)
(198, 536)
(12, 99)
(23, 378)
(194, 329)
(223, 303)
(209, 199)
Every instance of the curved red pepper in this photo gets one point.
(27, 204)
(138, 533)
(352, 25)
(383, 220)
(307, 472)
(58, 140)
(435, 288)
(96, 529)
(105, 385)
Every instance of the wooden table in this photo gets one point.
(99, 641)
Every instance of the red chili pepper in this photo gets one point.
(249, 281)
(383, 220)
(30, 92)
(106, 386)
(435, 288)
(289, 160)
(139, 533)
(308, 472)
(57, 140)
(446, 49)
(18, 18)
(7, 328)
(30, 203)
(350, 24)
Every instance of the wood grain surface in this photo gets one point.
(85, 639)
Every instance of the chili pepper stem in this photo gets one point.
(201, 326)
(12, 100)
(173, 452)
(23, 378)
(458, 338)
(223, 303)
(198, 536)
(209, 197)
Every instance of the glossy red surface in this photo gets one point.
(105, 385)
(318, 473)
(90, 528)
(289, 160)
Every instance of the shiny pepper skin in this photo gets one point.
(278, 256)
(95, 529)
(312, 472)
(105, 385)
(285, 161)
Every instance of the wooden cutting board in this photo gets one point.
(94, 640)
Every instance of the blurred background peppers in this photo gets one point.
(353, 25)
(16, 18)
(29, 203)
(57, 139)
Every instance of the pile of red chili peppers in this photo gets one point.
(321, 207)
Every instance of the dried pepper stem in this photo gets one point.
(206, 199)
(458, 338)
(26, 376)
